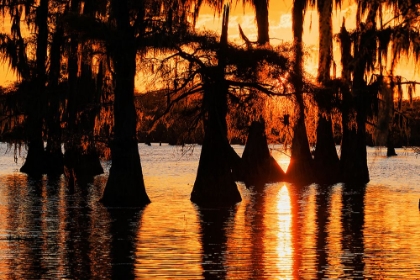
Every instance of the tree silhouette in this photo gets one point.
(125, 185)
(301, 163)
(35, 160)
(85, 87)
(370, 45)
(325, 155)
(221, 73)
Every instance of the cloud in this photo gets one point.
(285, 21)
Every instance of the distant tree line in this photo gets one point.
(77, 62)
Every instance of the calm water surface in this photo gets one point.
(48, 231)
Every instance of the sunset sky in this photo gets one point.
(280, 27)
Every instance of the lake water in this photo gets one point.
(286, 232)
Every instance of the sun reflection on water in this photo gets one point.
(284, 236)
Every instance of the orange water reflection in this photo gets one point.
(284, 235)
(282, 231)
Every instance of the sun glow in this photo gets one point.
(284, 235)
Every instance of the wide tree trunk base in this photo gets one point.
(326, 161)
(82, 169)
(390, 152)
(259, 166)
(54, 163)
(35, 164)
(353, 161)
(125, 185)
(301, 168)
(215, 184)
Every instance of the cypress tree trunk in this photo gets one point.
(259, 166)
(353, 159)
(35, 160)
(326, 162)
(70, 145)
(325, 40)
(261, 12)
(354, 168)
(215, 184)
(390, 147)
(300, 169)
(54, 155)
(125, 185)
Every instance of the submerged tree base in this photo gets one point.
(215, 184)
(81, 167)
(353, 161)
(390, 152)
(326, 161)
(35, 160)
(125, 185)
(301, 168)
(258, 164)
(54, 163)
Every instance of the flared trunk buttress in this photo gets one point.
(215, 185)
(300, 170)
(326, 161)
(259, 166)
(35, 159)
(35, 163)
(125, 185)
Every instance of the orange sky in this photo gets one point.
(280, 31)
(280, 27)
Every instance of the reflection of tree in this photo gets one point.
(30, 233)
(214, 224)
(124, 227)
(54, 234)
(77, 240)
(323, 197)
(255, 213)
(353, 221)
